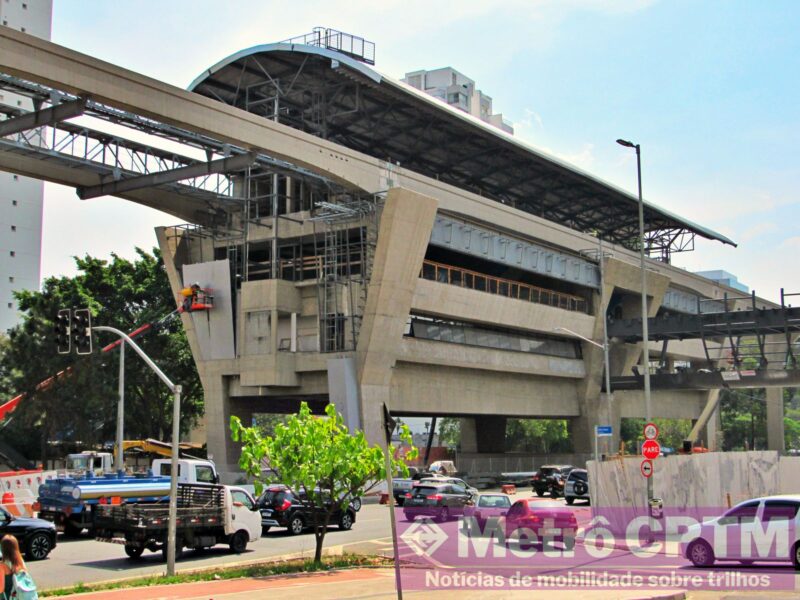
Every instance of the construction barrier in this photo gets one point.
(19, 490)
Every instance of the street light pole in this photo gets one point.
(176, 416)
(645, 332)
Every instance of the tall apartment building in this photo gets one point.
(21, 198)
(459, 91)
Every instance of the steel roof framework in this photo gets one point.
(345, 103)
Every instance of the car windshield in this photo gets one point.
(580, 475)
(494, 502)
(546, 471)
(425, 491)
(78, 463)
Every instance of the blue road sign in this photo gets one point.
(603, 430)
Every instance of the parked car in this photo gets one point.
(549, 479)
(36, 537)
(550, 521)
(483, 507)
(281, 508)
(401, 486)
(705, 544)
(442, 501)
(577, 486)
(452, 480)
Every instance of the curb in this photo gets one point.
(326, 552)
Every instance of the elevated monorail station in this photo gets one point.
(367, 243)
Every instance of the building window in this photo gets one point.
(12, 254)
(13, 228)
(11, 279)
(24, 6)
(10, 305)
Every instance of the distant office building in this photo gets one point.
(724, 278)
(21, 198)
(459, 91)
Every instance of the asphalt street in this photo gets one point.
(86, 560)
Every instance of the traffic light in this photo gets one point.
(82, 330)
(62, 333)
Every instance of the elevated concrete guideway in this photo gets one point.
(277, 334)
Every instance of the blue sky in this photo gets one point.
(709, 89)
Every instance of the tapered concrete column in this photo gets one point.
(405, 230)
(775, 434)
(485, 434)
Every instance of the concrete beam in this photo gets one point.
(114, 188)
(40, 118)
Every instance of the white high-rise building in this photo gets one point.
(459, 91)
(21, 198)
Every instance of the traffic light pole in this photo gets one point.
(176, 418)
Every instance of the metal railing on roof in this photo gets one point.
(474, 280)
(338, 41)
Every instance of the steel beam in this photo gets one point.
(113, 188)
(713, 380)
(40, 118)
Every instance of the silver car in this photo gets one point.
(577, 486)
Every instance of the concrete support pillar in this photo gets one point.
(273, 331)
(469, 435)
(713, 432)
(602, 412)
(775, 434)
(405, 230)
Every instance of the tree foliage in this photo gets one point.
(81, 409)
(323, 465)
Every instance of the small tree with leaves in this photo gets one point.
(323, 465)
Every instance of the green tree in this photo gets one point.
(449, 430)
(538, 436)
(319, 460)
(81, 407)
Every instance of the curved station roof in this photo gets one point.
(332, 95)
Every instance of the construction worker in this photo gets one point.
(190, 296)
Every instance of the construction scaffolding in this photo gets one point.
(349, 235)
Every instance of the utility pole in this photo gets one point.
(121, 410)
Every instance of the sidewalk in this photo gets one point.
(376, 584)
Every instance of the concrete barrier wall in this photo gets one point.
(712, 479)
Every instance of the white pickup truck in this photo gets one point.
(207, 515)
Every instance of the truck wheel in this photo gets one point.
(346, 521)
(39, 546)
(296, 525)
(539, 492)
(239, 541)
(72, 530)
(569, 499)
(134, 551)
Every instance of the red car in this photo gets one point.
(550, 521)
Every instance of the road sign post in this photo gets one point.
(651, 449)
(601, 431)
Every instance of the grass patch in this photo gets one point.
(264, 569)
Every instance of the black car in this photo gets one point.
(281, 508)
(36, 537)
(549, 479)
(441, 501)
